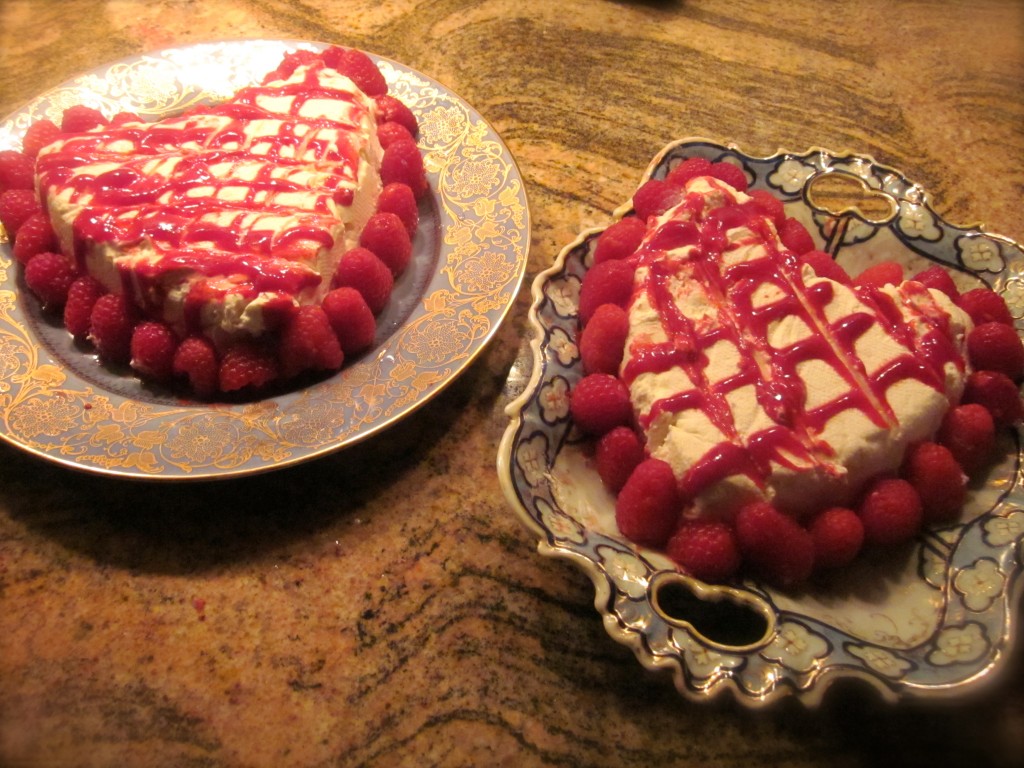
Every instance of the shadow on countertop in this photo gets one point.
(190, 527)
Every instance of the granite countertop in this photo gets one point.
(381, 606)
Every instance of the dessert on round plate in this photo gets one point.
(231, 245)
(774, 415)
(428, 321)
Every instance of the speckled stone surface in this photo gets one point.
(382, 606)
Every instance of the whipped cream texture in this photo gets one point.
(754, 378)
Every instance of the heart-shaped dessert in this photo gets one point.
(233, 245)
(756, 408)
(208, 218)
(755, 378)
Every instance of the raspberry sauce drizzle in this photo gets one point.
(244, 206)
(692, 245)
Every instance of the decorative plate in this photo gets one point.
(469, 259)
(929, 620)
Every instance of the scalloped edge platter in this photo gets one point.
(932, 620)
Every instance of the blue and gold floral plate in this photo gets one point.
(931, 619)
(469, 259)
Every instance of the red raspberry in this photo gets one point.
(619, 240)
(603, 340)
(79, 118)
(939, 279)
(403, 163)
(35, 235)
(290, 63)
(308, 343)
(196, 360)
(49, 276)
(389, 133)
(706, 549)
(647, 509)
(610, 282)
(277, 311)
(616, 455)
(16, 206)
(398, 198)
(357, 67)
(825, 266)
(599, 403)
(970, 434)
(690, 168)
(891, 512)
(997, 392)
(387, 237)
(795, 236)
(731, 174)
(838, 536)
(247, 366)
(880, 274)
(391, 110)
(153, 350)
(38, 135)
(110, 327)
(655, 197)
(17, 170)
(769, 205)
(984, 305)
(361, 269)
(351, 318)
(82, 295)
(938, 479)
(996, 347)
(125, 117)
(775, 545)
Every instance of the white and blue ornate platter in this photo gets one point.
(469, 260)
(933, 619)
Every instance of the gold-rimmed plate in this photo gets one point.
(469, 259)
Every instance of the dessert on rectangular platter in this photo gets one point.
(231, 246)
(756, 409)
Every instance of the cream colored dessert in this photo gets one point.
(209, 218)
(756, 379)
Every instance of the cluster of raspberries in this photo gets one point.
(309, 338)
(763, 540)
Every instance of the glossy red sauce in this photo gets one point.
(792, 441)
(249, 245)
